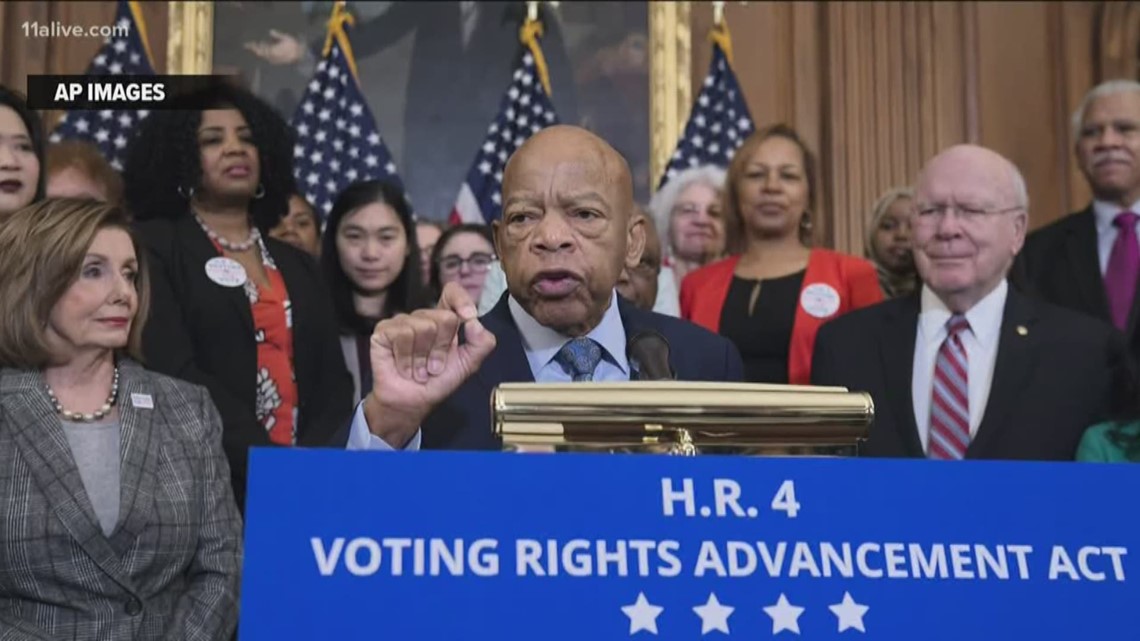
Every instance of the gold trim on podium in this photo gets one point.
(681, 418)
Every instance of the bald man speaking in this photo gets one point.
(968, 367)
(566, 233)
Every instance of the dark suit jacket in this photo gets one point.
(169, 569)
(1051, 381)
(463, 421)
(1060, 264)
(203, 333)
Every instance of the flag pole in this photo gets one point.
(528, 35)
(719, 33)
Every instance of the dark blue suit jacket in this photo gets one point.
(463, 421)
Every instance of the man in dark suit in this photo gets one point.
(1089, 260)
(566, 233)
(969, 367)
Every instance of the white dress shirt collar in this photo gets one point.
(1106, 212)
(984, 317)
(541, 343)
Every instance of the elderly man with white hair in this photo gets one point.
(1089, 260)
(969, 367)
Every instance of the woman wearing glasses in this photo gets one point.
(462, 254)
(371, 263)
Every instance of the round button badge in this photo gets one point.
(226, 272)
(820, 300)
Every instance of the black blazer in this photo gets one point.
(203, 333)
(1060, 264)
(1053, 377)
(463, 421)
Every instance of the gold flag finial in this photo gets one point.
(718, 13)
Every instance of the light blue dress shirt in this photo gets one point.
(540, 344)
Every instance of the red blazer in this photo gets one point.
(834, 284)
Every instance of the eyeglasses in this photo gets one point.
(479, 263)
(931, 215)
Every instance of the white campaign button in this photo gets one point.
(226, 272)
(820, 300)
(142, 401)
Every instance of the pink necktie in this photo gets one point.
(1123, 266)
(950, 401)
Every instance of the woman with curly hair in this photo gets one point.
(233, 309)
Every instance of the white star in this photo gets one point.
(513, 92)
(371, 160)
(55, 137)
(312, 179)
(338, 144)
(102, 135)
(334, 164)
(354, 131)
(100, 60)
(785, 616)
(390, 167)
(496, 198)
(302, 130)
(351, 174)
(321, 135)
(120, 141)
(341, 123)
(698, 142)
(106, 114)
(485, 167)
(849, 613)
(115, 68)
(642, 615)
(714, 616)
(331, 186)
(142, 113)
(120, 46)
(374, 138)
(315, 86)
(526, 79)
(298, 151)
(334, 72)
(743, 124)
(524, 100)
(125, 120)
(116, 165)
(703, 100)
(325, 114)
(81, 125)
(356, 109)
(708, 81)
(308, 107)
(489, 147)
(123, 24)
(135, 58)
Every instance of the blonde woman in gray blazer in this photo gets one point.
(117, 520)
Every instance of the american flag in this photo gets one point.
(338, 142)
(125, 53)
(524, 110)
(718, 124)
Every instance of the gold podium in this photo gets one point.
(684, 418)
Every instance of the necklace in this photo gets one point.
(254, 236)
(94, 416)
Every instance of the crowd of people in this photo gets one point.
(160, 323)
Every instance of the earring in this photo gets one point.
(183, 192)
(260, 193)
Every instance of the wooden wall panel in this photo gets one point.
(877, 88)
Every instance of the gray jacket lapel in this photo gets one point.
(40, 439)
(138, 455)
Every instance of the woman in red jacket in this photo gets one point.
(773, 293)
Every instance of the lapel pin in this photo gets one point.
(1022, 330)
(142, 401)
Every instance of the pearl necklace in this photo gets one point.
(94, 416)
(248, 243)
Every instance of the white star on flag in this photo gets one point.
(713, 133)
(124, 54)
(342, 119)
(714, 615)
(642, 615)
(785, 616)
(849, 613)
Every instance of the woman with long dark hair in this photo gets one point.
(235, 310)
(21, 153)
(371, 264)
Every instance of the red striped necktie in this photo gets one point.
(950, 402)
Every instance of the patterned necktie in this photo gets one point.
(579, 357)
(950, 402)
(1123, 265)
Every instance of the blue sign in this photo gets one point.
(451, 545)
